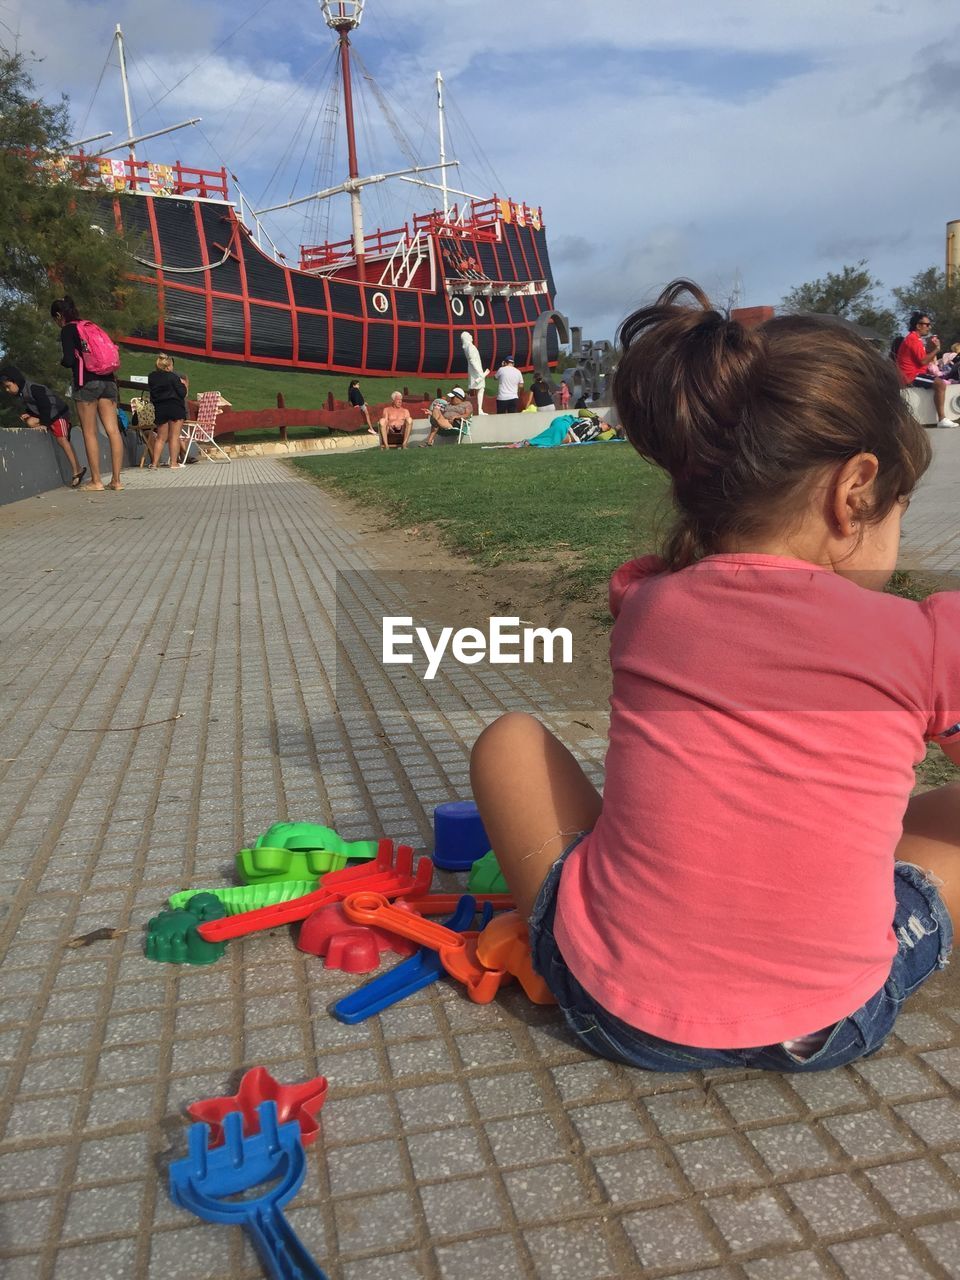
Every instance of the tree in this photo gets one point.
(929, 292)
(850, 293)
(55, 236)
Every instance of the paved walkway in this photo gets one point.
(182, 667)
(932, 525)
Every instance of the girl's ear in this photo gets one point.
(853, 492)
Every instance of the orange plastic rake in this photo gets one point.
(384, 876)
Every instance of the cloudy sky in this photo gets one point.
(728, 140)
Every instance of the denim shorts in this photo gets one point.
(96, 389)
(924, 936)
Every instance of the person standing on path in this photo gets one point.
(912, 359)
(94, 392)
(168, 393)
(509, 385)
(43, 410)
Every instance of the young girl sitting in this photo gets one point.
(756, 888)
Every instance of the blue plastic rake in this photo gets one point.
(206, 1182)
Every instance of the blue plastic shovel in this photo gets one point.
(207, 1180)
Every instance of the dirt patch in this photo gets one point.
(444, 589)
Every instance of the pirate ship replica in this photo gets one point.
(380, 303)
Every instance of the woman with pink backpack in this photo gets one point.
(93, 359)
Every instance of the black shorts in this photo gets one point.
(508, 406)
(169, 411)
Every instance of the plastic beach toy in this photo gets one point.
(407, 977)
(269, 865)
(310, 835)
(394, 881)
(341, 944)
(297, 851)
(208, 1181)
(300, 1102)
(173, 936)
(247, 897)
(486, 876)
(438, 904)
(458, 951)
(483, 964)
(458, 835)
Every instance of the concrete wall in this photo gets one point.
(31, 462)
(920, 400)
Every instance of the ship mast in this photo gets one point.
(126, 94)
(343, 16)
(443, 154)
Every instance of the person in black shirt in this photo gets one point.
(542, 397)
(355, 396)
(43, 410)
(168, 392)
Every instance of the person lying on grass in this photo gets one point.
(756, 887)
(43, 410)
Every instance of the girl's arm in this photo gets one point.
(68, 345)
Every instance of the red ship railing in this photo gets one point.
(478, 221)
(137, 175)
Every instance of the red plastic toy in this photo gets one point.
(354, 948)
(380, 876)
(300, 1102)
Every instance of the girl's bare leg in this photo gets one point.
(159, 439)
(173, 442)
(931, 840)
(87, 412)
(107, 410)
(67, 448)
(533, 798)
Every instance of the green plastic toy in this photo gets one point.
(172, 935)
(308, 836)
(248, 897)
(486, 876)
(267, 865)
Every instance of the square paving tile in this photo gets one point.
(673, 1236)
(876, 1256)
(752, 1221)
(834, 1205)
(576, 1251)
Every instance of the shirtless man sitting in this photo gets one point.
(395, 424)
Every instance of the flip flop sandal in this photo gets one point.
(75, 482)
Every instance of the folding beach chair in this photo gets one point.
(200, 432)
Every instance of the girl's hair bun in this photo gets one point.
(741, 419)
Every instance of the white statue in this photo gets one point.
(477, 373)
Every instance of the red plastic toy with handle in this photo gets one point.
(383, 876)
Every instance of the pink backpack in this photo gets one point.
(98, 351)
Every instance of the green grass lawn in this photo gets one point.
(584, 511)
(249, 387)
(581, 512)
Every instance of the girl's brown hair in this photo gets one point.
(744, 419)
(164, 362)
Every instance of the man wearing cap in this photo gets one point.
(509, 385)
(446, 414)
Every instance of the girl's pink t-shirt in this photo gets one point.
(766, 715)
